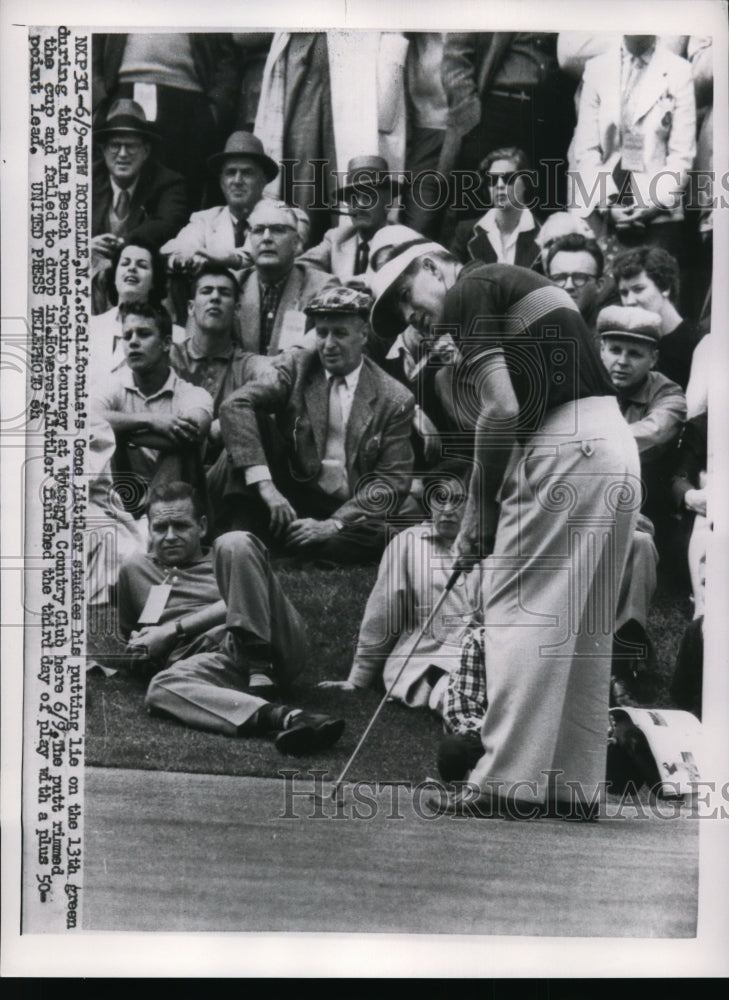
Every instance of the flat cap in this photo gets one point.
(631, 322)
(340, 299)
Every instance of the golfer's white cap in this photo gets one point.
(385, 320)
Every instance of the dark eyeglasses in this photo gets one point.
(578, 279)
(276, 229)
(493, 179)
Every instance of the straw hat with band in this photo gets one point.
(385, 319)
(244, 144)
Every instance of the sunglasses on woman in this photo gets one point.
(493, 179)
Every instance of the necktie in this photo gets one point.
(118, 218)
(269, 305)
(363, 257)
(121, 208)
(333, 476)
(635, 68)
(240, 232)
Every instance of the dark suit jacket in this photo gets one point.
(379, 453)
(217, 64)
(159, 205)
(471, 242)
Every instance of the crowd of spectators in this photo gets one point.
(249, 190)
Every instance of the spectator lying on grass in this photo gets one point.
(217, 627)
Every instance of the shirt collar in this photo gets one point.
(642, 60)
(429, 533)
(525, 224)
(398, 345)
(277, 287)
(641, 393)
(115, 189)
(394, 353)
(350, 380)
(235, 221)
(127, 377)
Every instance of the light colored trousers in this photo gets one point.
(206, 686)
(570, 499)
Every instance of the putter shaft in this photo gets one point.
(448, 587)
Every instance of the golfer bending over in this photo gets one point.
(217, 626)
(553, 500)
(412, 577)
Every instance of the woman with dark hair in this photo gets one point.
(649, 277)
(137, 274)
(507, 233)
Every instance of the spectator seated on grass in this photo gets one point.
(160, 422)
(217, 629)
(343, 463)
(413, 573)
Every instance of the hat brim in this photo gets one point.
(270, 167)
(645, 338)
(149, 132)
(384, 318)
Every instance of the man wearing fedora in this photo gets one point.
(134, 196)
(188, 85)
(217, 235)
(369, 191)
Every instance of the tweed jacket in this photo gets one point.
(302, 284)
(379, 456)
